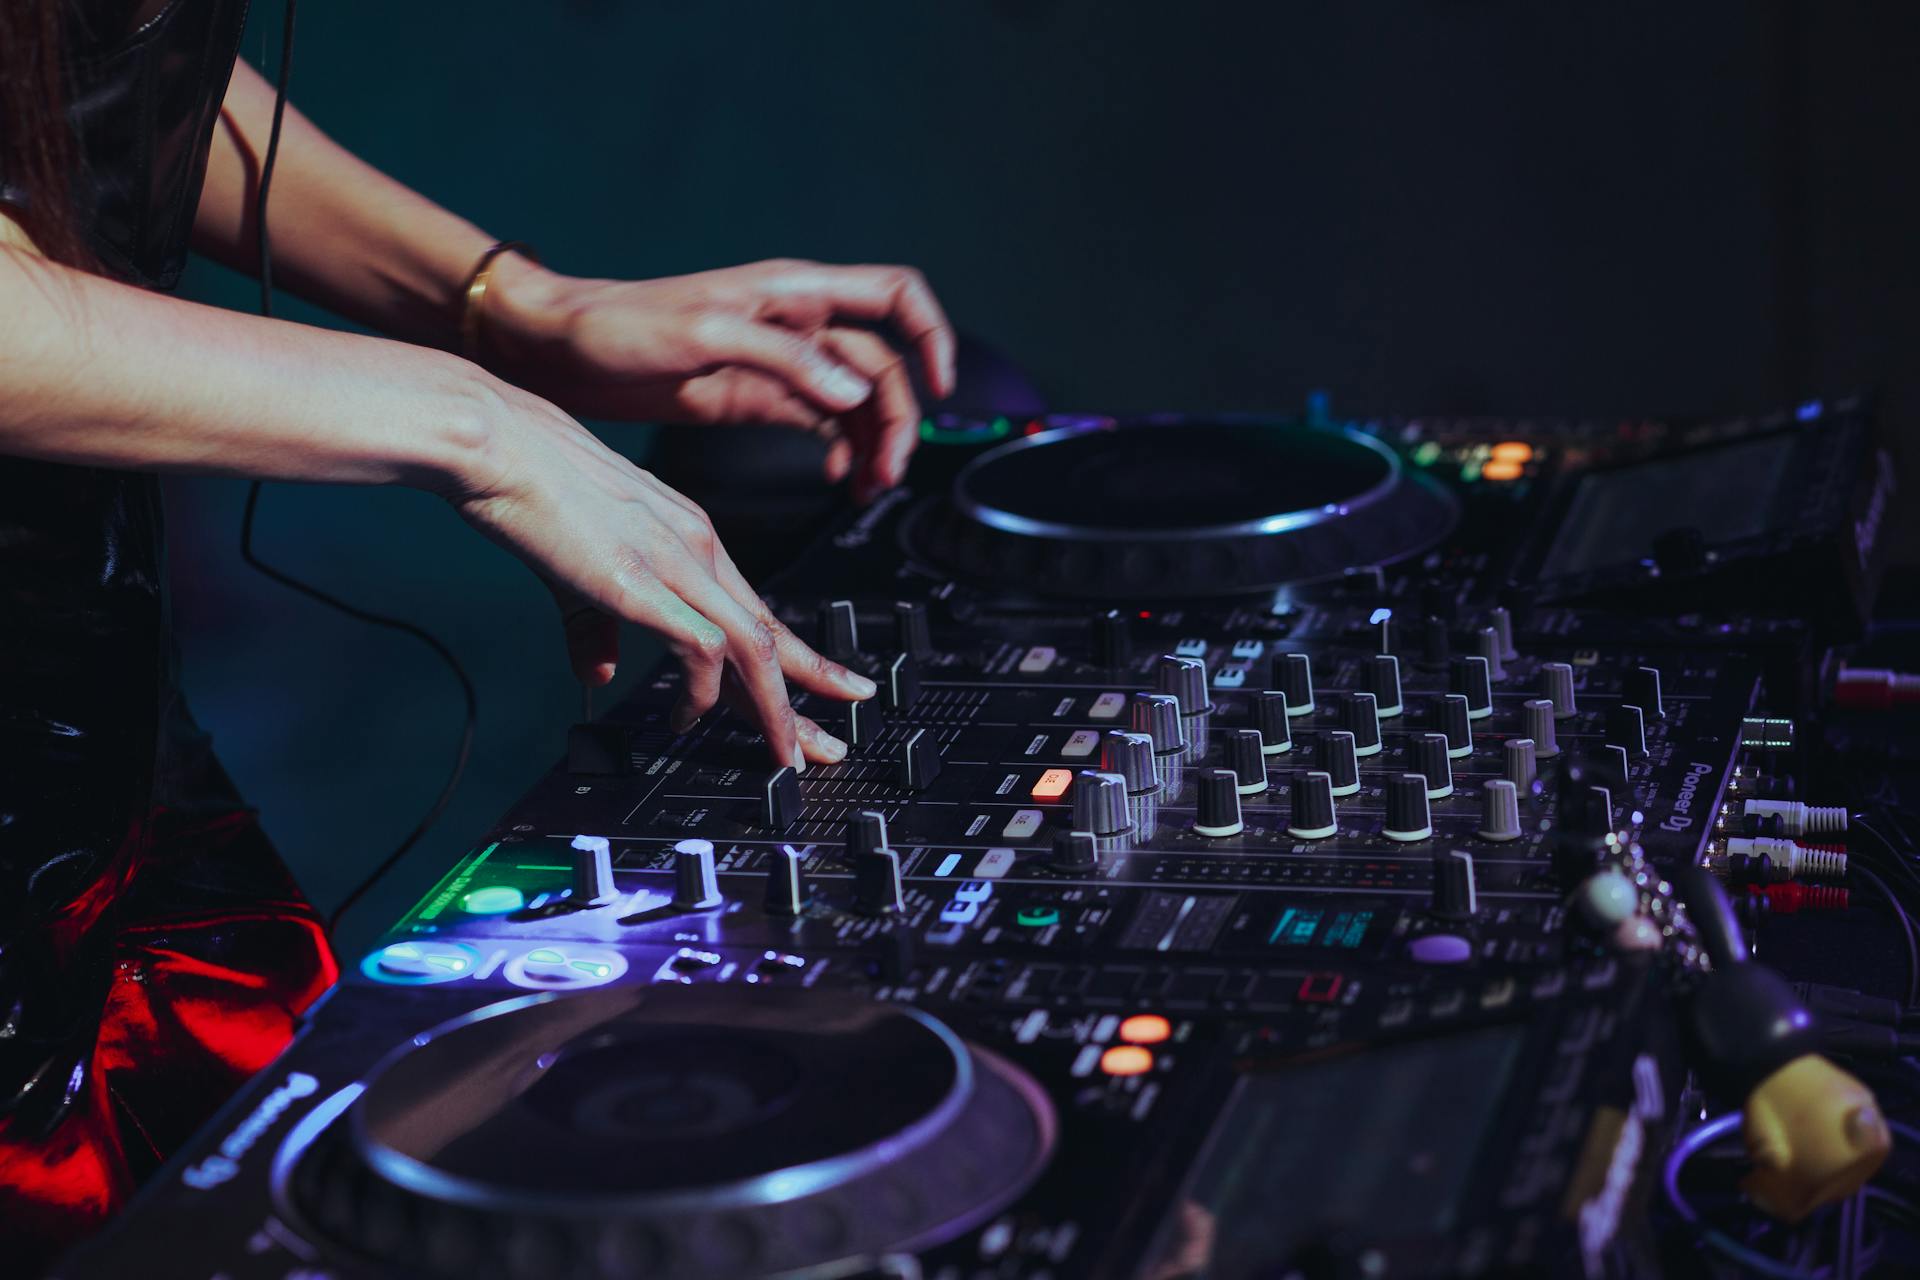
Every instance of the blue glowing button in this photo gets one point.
(1441, 948)
(494, 900)
(414, 964)
(972, 891)
(960, 912)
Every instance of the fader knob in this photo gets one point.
(1456, 722)
(780, 802)
(1158, 716)
(695, 887)
(1112, 639)
(1536, 718)
(1499, 811)
(1518, 764)
(1408, 817)
(1363, 722)
(902, 686)
(1247, 759)
(866, 831)
(1427, 754)
(1218, 814)
(1270, 717)
(1075, 852)
(866, 720)
(1468, 678)
(1613, 759)
(919, 760)
(592, 878)
(911, 634)
(1312, 815)
(1383, 682)
(1556, 686)
(1627, 728)
(1454, 894)
(787, 892)
(1436, 645)
(1642, 689)
(1340, 762)
(1185, 680)
(876, 883)
(1486, 645)
(1131, 756)
(1100, 803)
(1296, 681)
(839, 633)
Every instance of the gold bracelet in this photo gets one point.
(476, 292)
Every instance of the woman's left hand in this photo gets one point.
(798, 344)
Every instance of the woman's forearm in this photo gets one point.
(344, 234)
(98, 373)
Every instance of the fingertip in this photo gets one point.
(603, 673)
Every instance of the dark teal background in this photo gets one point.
(1504, 207)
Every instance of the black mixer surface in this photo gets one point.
(1239, 874)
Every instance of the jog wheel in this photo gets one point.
(668, 1132)
(1172, 508)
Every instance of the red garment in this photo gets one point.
(214, 955)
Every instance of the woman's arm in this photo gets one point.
(97, 373)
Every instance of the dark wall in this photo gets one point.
(1634, 208)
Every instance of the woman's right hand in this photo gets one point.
(614, 544)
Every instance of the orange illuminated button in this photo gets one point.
(1053, 784)
(1500, 469)
(1126, 1060)
(1145, 1028)
(1513, 451)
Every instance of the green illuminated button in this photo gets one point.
(494, 900)
(545, 955)
(1038, 917)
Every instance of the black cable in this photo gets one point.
(264, 246)
(1906, 927)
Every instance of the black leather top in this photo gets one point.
(90, 716)
(147, 79)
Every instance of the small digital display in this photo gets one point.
(1311, 926)
(1381, 1143)
(1727, 494)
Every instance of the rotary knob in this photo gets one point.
(1271, 718)
(1100, 803)
(1536, 718)
(1499, 811)
(1218, 814)
(1502, 623)
(1246, 757)
(1436, 644)
(911, 633)
(1296, 681)
(1427, 753)
(1383, 682)
(1311, 816)
(1556, 686)
(1112, 639)
(1408, 818)
(1340, 762)
(1642, 689)
(1456, 724)
(1469, 678)
(1158, 716)
(695, 886)
(1185, 680)
(1131, 756)
(787, 892)
(1363, 722)
(1075, 852)
(1487, 647)
(1454, 895)
(592, 872)
(1518, 764)
(1627, 729)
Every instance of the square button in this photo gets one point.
(1053, 784)
(1248, 650)
(1108, 706)
(1080, 743)
(993, 864)
(1038, 659)
(1025, 824)
(1230, 678)
(1194, 647)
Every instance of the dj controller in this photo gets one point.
(1272, 851)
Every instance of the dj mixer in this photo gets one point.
(1267, 855)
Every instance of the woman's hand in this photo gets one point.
(616, 544)
(797, 344)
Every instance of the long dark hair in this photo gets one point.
(38, 152)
